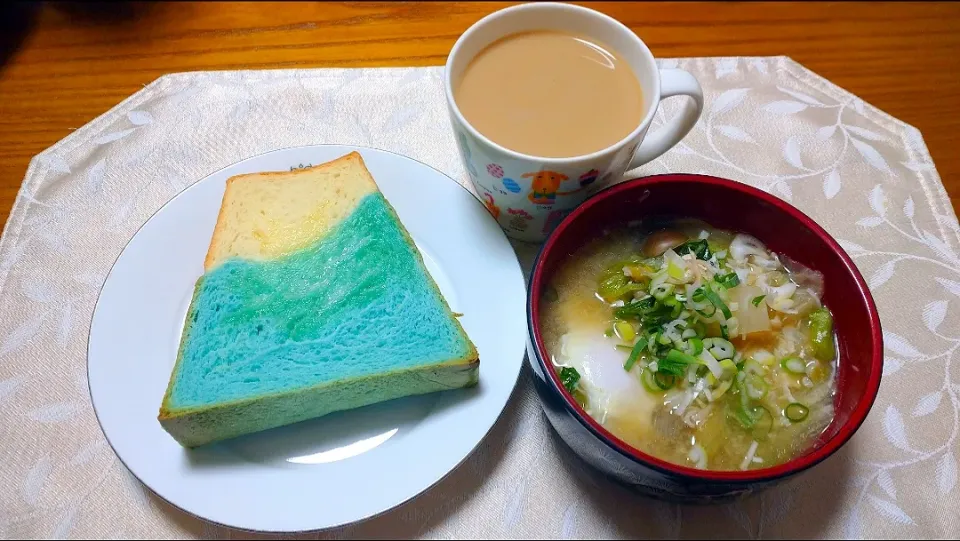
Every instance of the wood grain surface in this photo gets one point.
(63, 63)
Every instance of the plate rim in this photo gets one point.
(486, 432)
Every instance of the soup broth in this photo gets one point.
(695, 345)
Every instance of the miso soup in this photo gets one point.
(695, 345)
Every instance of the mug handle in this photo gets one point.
(673, 82)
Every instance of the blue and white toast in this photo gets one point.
(314, 299)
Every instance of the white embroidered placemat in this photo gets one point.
(865, 176)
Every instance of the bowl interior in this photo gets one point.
(785, 230)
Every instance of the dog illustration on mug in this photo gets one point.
(546, 185)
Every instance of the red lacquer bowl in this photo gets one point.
(784, 229)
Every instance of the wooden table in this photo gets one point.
(73, 62)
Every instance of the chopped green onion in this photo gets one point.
(721, 389)
(635, 353)
(648, 379)
(699, 248)
(729, 281)
(664, 381)
(724, 332)
(793, 365)
(635, 309)
(755, 386)
(675, 271)
(758, 299)
(821, 334)
(698, 295)
(662, 291)
(654, 339)
(608, 333)
(625, 330)
(728, 366)
(701, 328)
(720, 348)
(751, 366)
(696, 346)
(715, 300)
(675, 362)
(569, 377)
(675, 306)
(796, 412)
(713, 310)
(654, 319)
(756, 419)
(763, 423)
(743, 412)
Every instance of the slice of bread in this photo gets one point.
(314, 299)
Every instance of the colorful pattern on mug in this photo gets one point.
(545, 186)
(589, 177)
(554, 219)
(491, 205)
(519, 219)
(495, 170)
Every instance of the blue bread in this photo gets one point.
(314, 300)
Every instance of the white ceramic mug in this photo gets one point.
(529, 195)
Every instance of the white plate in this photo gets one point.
(340, 468)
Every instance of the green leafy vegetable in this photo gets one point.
(758, 299)
(650, 312)
(635, 309)
(729, 280)
(699, 248)
(676, 362)
(616, 285)
(569, 377)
